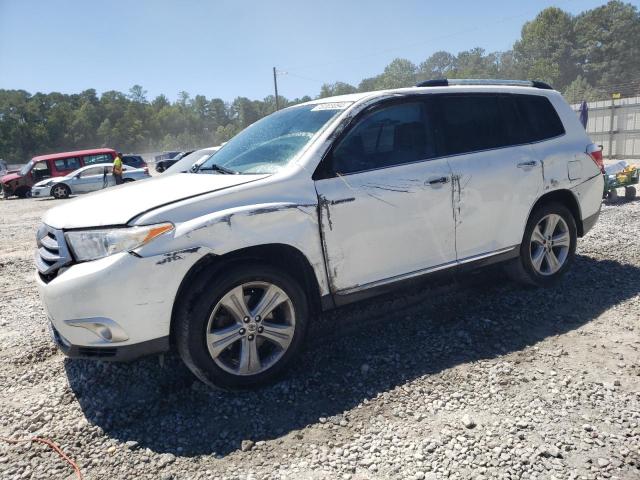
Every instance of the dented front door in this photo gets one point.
(384, 225)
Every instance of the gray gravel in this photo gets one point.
(478, 379)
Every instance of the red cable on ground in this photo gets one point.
(53, 446)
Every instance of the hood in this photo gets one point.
(10, 176)
(50, 180)
(118, 205)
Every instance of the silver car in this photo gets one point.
(86, 179)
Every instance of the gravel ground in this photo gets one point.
(478, 379)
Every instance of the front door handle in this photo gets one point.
(438, 181)
(531, 163)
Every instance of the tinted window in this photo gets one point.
(101, 158)
(472, 123)
(66, 164)
(390, 136)
(541, 118)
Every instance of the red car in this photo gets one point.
(19, 182)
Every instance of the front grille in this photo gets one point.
(52, 253)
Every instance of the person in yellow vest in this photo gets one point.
(117, 168)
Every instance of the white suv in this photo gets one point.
(313, 207)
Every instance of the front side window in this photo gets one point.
(392, 135)
(101, 158)
(41, 170)
(270, 144)
(67, 164)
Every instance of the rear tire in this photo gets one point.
(629, 193)
(222, 336)
(60, 190)
(612, 195)
(548, 246)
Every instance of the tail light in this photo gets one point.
(595, 152)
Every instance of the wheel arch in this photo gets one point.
(566, 198)
(281, 256)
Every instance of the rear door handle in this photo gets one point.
(531, 163)
(438, 181)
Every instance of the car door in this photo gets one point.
(497, 176)
(385, 200)
(89, 180)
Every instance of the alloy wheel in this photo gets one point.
(549, 245)
(250, 328)
(59, 191)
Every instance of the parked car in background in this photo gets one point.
(162, 165)
(135, 161)
(165, 156)
(316, 206)
(85, 180)
(53, 165)
(194, 158)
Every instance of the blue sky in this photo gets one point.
(227, 48)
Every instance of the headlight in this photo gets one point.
(94, 244)
(47, 184)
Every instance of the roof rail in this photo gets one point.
(443, 82)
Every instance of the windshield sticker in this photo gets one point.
(331, 106)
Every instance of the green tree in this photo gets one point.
(439, 65)
(608, 47)
(399, 73)
(336, 88)
(580, 90)
(545, 50)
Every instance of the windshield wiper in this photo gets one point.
(216, 168)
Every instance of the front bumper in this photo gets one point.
(132, 296)
(124, 353)
(40, 192)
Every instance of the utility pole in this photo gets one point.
(275, 86)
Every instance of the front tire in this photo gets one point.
(548, 246)
(60, 191)
(243, 328)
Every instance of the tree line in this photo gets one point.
(588, 56)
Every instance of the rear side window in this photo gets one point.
(391, 135)
(540, 117)
(65, 164)
(472, 123)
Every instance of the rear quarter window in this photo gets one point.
(540, 117)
